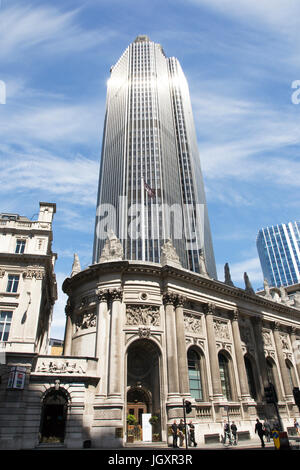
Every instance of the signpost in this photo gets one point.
(187, 408)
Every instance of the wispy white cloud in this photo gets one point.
(74, 179)
(46, 29)
(282, 17)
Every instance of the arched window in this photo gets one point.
(250, 377)
(195, 379)
(225, 376)
(270, 372)
(291, 374)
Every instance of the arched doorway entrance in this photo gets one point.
(53, 417)
(143, 386)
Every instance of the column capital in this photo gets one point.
(102, 295)
(209, 309)
(69, 308)
(169, 298)
(180, 300)
(235, 314)
(115, 294)
(275, 326)
(292, 330)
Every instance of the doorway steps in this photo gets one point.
(146, 445)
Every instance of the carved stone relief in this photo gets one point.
(34, 271)
(84, 321)
(284, 341)
(60, 367)
(142, 315)
(267, 339)
(221, 329)
(192, 323)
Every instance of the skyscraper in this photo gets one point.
(278, 248)
(151, 186)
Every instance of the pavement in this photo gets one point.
(244, 444)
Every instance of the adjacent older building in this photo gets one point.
(27, 294)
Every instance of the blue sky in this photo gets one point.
(240, 59)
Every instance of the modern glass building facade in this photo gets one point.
(149, 141)
(279, 253)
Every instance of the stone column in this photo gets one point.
(209, 310)
(172, 354)
(115, 356)
(282, 365)
(260, 354)
(68, 330)
(183, 377)
(239, 356)
(102, 340)
(296, 348)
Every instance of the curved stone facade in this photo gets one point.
(133, 331)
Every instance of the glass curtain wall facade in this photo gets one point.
(149, 139)
(278, 248)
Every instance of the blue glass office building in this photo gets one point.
(278, 248)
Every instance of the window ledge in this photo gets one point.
(9, 294)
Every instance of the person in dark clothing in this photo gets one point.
(181, 432)
(267, 430)
(174, 428)
(226, 432)
(234, 432)
(192, 434)
(259, 430)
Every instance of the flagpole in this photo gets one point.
(143, 218)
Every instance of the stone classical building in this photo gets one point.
(27, 294)
(141, 337)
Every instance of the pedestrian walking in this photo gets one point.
(267, 430)
(259, 430)
(234, 432)
(174, 429)
(297, 426)
(192, 434)
(226, 432)
(180, 432)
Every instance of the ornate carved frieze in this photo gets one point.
(221, 330)
(223, 345)
(144, 332)
(192, 323)
(284, 341)
(196, 341)
(267, 339)
(142, 315)
(34, 271)
(60, 367)
(85, 320)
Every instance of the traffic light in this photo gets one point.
(296, 393)
(188, 407)
(270, 394)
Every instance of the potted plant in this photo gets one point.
(131, 423)
(153, 420)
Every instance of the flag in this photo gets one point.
(150, 191)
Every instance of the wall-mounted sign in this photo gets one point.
(16, 378)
